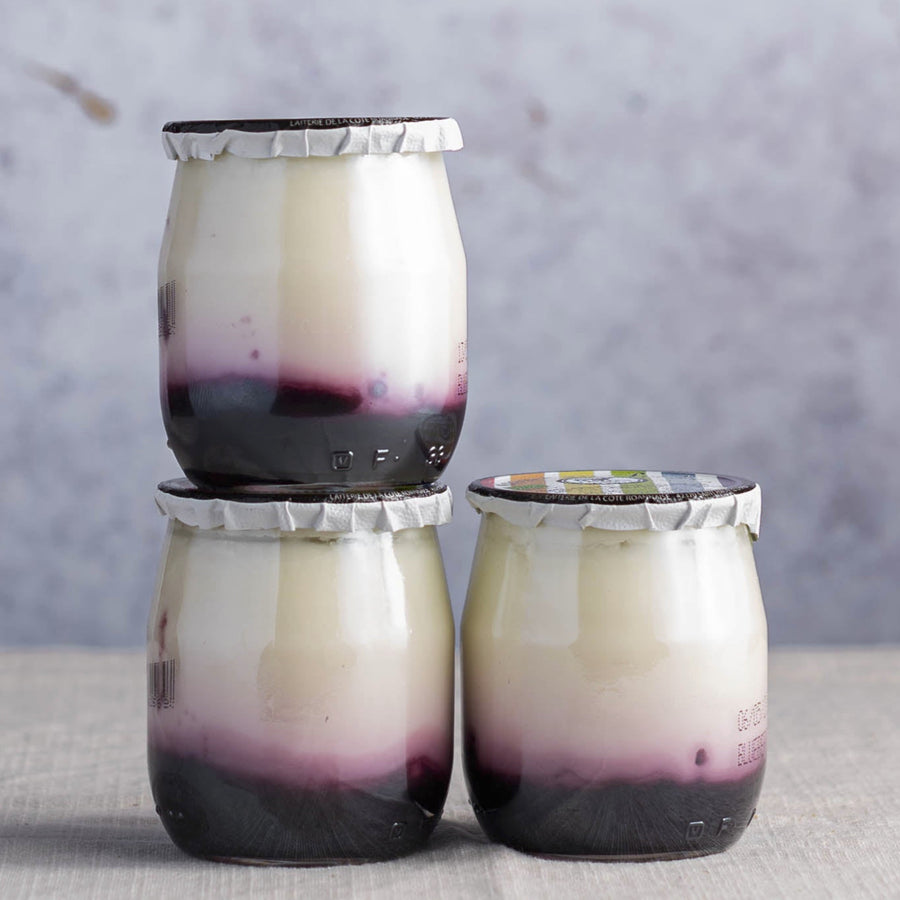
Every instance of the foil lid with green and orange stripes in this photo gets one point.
(620, 499)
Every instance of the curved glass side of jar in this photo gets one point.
(614, 689)
(300, 694)
(312, 320)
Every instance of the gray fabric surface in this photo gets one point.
(76, 818)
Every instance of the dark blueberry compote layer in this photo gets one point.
(614, 820)
(214, 814)
(229, 432)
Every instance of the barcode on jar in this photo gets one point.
(165, 296)
(161, 684)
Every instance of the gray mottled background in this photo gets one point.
(681, 222)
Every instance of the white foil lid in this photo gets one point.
(620, 500)
(268, 138)
(342, 512)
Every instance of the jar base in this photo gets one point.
(230, 432)
(216, 814)
(614, 821)
(626, 857)
(294, 863)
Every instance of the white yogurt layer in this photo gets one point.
(344, 272)
(307, 657)
(596, 655)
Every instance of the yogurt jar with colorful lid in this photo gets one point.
(614, 663)
(300, 657)
(312, 302)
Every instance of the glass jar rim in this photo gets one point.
(298, 493)
(214, 126)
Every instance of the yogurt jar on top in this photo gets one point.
(300, 675)
(614, 656)
(312, 302)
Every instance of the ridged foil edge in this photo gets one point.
(289, 515)
(430, 136)
(744, 508)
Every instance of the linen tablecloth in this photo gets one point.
(77, 819)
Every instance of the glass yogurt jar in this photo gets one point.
(614, 663)
(312, 302)
(300, 675)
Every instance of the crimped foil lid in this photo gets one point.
(336, 511)
(620, 500)
(268, 138)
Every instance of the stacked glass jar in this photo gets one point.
(312, 324)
